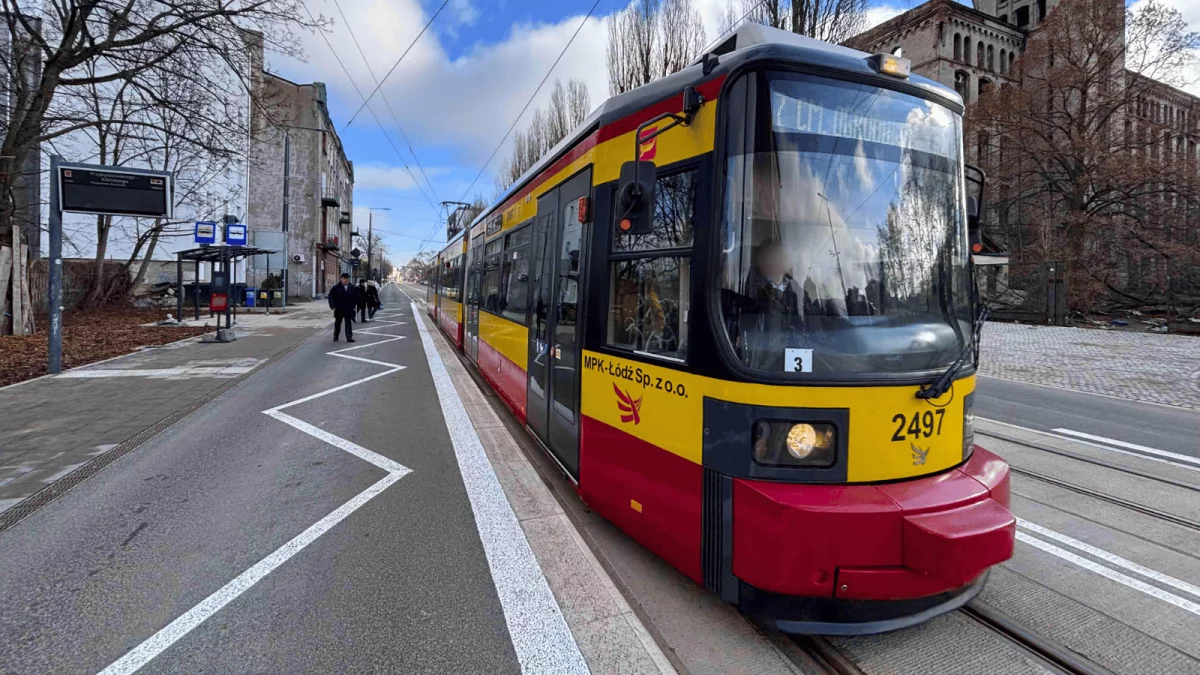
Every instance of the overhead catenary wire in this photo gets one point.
(530, 101)
(387, 103)
(382, 129)
(397, 63)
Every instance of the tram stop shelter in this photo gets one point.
(222, 259)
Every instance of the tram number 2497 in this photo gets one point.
(919, 425)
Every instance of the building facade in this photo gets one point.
(292, 134)
(975, 48)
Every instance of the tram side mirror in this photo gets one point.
(635, 198)
(975, 182)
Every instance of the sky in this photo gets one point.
(451, 100)
(448, 104)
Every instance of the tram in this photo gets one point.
(736, 307)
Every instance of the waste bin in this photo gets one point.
(250, 295)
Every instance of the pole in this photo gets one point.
(287, 177)
(179, 287)
(370, 214)
(55, 347)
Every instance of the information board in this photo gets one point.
(235, 234)
(114, 191)
(206, 233)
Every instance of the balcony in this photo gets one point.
(345, 219)
(330, 243)
(330, 198)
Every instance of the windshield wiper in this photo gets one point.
(944, 381)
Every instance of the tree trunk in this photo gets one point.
(103, 223)
(5, 274)
(141, 273)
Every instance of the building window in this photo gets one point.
(649, 295)
(1003, 18)
(979, 54)
(1022, 15)
(1012, 56)
(966, 55)
(985, 85)
(962, 84)
(957, 47)
(991, 58)
(1003, 62)
(514, 277)
(1041, 10)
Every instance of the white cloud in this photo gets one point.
(388, 177)
(877, 15)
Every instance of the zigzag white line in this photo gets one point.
(172, 632)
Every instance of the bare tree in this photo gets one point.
(74, 45)
(1086, 164)
(651, 39)
(568, 108)
(833, 21)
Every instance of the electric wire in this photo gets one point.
(386, 102)
(397, 63)
(383, 129)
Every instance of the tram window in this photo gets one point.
(648, 305)
(674, 206)
(515, 275)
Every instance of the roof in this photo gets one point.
(749, 43)
(214, 253)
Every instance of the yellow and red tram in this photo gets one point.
(753, 346)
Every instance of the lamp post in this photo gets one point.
(370, 239)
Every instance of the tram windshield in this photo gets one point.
(844, 250)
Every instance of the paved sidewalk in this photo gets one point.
(1138, 366)
(54, 425)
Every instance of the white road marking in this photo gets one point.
(178, 371)
(1132, 446)
(540, 635)
(1153, 591)
(195, 616)
(1112, 558)
(172, 632)
(1089, 444)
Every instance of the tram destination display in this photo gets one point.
(114, 191)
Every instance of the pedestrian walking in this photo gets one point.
(373, 303)
(363, 300)
(343, 300)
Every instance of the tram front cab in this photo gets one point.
(840, 495)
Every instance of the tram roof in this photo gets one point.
(750, 42)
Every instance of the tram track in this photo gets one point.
(1056, 656)
(1124, 503)
(1195, 487)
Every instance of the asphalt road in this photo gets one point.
(400, 585)
(1047, 408)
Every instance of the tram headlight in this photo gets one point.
(786, 443)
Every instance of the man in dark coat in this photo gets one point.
(362, 300)
(343, 300)
(373, 303)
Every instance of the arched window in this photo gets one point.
(979, 54)
(1003, 61)
(984, 85)
(1012, 56)
(962, 84)
(957, 47)
(981, 151)
(991, 58)
(966, 55)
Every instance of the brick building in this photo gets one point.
(290, 124)
(974, 48)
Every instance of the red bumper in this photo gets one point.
(892, 541)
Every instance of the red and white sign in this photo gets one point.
(219, 302)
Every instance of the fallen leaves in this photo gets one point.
(88, 336)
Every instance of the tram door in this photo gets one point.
(554, 347)
(474, 260)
